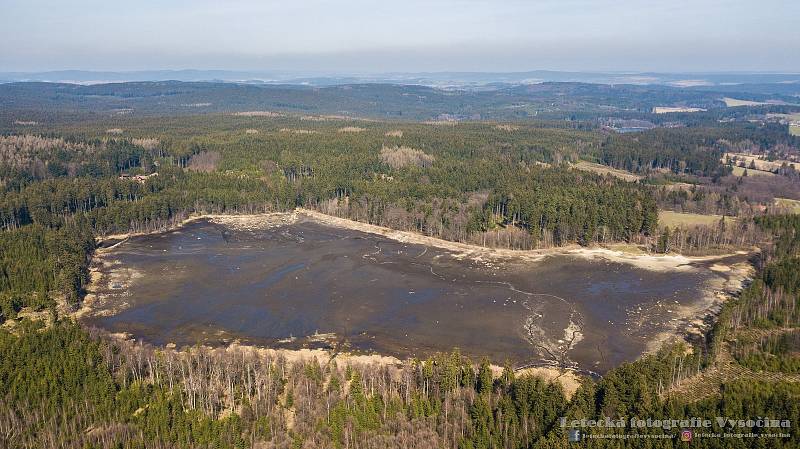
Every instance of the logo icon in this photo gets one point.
(574, 435)
(686, 435)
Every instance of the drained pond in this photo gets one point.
(303, 283)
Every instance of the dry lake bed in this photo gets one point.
(302, 283)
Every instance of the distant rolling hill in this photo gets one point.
(549, 100)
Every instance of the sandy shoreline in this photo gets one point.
(695, 319)
(666, 262)
(660, 262)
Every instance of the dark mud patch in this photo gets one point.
(306, 284)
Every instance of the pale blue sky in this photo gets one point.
(409, 35)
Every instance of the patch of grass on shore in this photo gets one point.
(626, 248)
(792, 205)
(739, 171)
(733, 102)
(606, 170)
(677, 219)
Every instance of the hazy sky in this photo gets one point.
(401, 35)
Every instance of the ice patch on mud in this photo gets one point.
(548, 345)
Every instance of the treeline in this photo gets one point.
(725, 234)
(773, 299)
(702, 199)
(691, 151)
(775, 352)
(37, 263)
(558, 207)
(118, 205)
(761, 325)
(62, 387)
(27, 159)
(537, 208)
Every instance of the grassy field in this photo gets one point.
(760, 162)
(626, 248)
(739, 171)
(676, 219)
(792, 205)
(732, 102)
(606, 170)
(794, 130)
(670, 109)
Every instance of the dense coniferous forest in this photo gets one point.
(67, 185)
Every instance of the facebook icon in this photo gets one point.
(574, 435)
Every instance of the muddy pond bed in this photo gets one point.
(302, 283)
